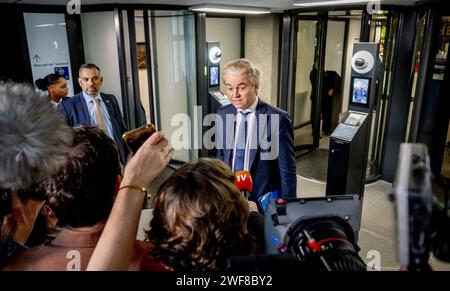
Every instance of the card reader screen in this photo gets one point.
(360, 90)
(213, 76)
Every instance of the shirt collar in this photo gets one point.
(251, 108)
(88, 98)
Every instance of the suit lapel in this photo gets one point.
(261, 108)
(84, 114)
(227, 153)
(108, 104)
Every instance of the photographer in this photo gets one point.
(33, 146)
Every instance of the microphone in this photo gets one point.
(244, 182)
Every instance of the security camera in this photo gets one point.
(362, 62)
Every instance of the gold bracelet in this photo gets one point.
(136, 187)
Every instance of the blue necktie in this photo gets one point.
(239, 154)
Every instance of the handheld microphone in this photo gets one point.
(244, 182)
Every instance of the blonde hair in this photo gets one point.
(243, 66)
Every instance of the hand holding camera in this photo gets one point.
(153, 153)
(135, 138)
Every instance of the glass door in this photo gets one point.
(382, 30)
(306, 97)
(159, 63)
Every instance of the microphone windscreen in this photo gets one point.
(244, 181)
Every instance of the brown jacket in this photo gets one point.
(71, 251)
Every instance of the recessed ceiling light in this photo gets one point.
(328, 2)
(216, 8)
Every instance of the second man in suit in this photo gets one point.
(91, 107)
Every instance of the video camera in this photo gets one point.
(309, 234)
(421, 223)
(321, 232)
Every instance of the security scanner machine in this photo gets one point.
(349, 142)
(213, 72)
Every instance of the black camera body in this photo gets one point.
(320, 232)
(413, 205)
(283, 216)
(308, 234)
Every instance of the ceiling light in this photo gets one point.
(328, 2)
(44, 25)
(216, 8)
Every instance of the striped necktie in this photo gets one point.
(99, 118)
(241, 140)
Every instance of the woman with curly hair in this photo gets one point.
(199, 218)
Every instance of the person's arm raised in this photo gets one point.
(115, 247)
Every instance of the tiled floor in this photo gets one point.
(377, 233)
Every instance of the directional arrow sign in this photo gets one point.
(36, 58)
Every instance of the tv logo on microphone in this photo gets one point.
(244, 182)
(243, 176)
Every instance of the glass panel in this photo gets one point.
(332, 100)
(382, 31)
(142, 65)
(421, 22)
(47, 46)
(305, 76)
(440, 64)
(174, 71)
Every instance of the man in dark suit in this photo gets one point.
(90, 107)
(259, 138)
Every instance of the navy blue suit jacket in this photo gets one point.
(76, 113)
(268, 175)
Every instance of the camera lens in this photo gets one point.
(360, 63)
(330, 239)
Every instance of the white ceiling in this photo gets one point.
(275, 5)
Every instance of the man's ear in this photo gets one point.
(79, 81)
(46, 210)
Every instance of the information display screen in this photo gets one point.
(213, 76)
(360, 91)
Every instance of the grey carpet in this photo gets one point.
(313, 165)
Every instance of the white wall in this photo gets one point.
(353, 36)
(100, 48)
(261, 47)
(227, 31)
(48, 46)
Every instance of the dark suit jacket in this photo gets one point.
(76, 113)
(268, 175)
